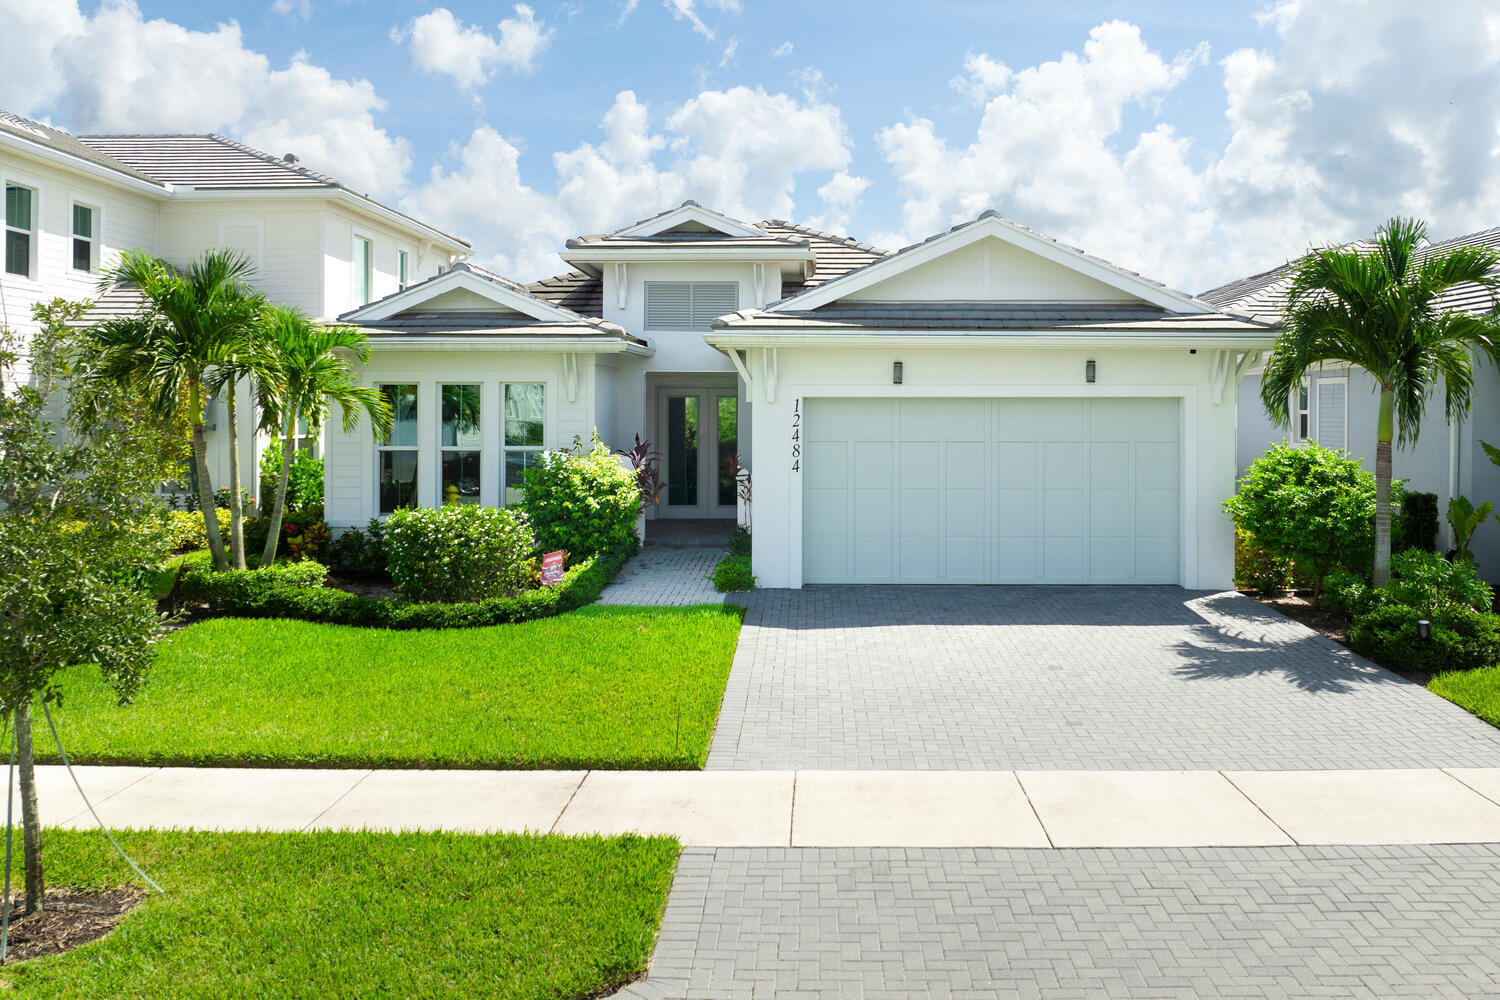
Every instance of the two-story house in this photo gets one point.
(987, 406)
(73, 203)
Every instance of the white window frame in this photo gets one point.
(403, 271)
(369, 238)
(692, 287)
(480, 449)
(1301, 435)
(547, 421)
(33, 235)
(259, 225)
(95, 241)
(415, 449)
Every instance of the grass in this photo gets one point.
(271, 915)
(601, 687)
(1476, 691)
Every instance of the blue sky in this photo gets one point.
(1193, 141)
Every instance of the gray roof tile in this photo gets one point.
(45, 135)
(204, 161)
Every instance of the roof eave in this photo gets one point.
(562, 343)
(723, 338)
(74, 162)
(387, 214)
(595, 254)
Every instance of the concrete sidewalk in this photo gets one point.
(865, 809)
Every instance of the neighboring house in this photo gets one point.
(73, 203)
(988, 406)
(1337, 407)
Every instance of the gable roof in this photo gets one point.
(204, 161)
(991, 223)
(1263, 296)
(691, 215)
(57, 141)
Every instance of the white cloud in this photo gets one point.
(442, 44)
(687, 10)
(297, 9)
(730, 51)
(783, 50)
(116, 71)
(982, 78)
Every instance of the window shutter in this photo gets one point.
(1333, 395)
(669, 305)
(243, 239)
(713, 299)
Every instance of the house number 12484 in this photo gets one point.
(796, 435)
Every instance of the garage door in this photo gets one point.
(990, 491)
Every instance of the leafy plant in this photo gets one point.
(1427, 581)
(1464, 518)
(1416, 525)
(459, 552)
(185, 531)
(1257, 568)
(739, 541)
(646, 463)
(1310, 505)
(742, 486)
(582, 501)
(304, 487)
(358, 553)
(1349, 592)
(732, 574)
(1460, 638)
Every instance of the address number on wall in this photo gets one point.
(796, 435)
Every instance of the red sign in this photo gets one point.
(552, 567)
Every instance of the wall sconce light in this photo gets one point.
(1088, 372)
(896, 373)
(1424, 629)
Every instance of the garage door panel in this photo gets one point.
(873, 561)
(825, 513)
(1156, 560)
(1109, 466)
(1016, 464)
(942, 419)
(964, 513)
(1063, 513)
(1040, 419)
(1063, 467)
(1016, 513)
(1156, 466)
(849, 419)
(963, 559)
(873, 513)
(871, 465)
(1155, 514)
(1017, 560)
(919, 558)
(1109, 559)
(920, 511)
(1134, 419)
(825, 559)
(825, 465)
(1109, 513)
(1062, 560)
(965, 465)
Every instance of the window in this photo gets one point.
(396, 454)
(1333, 412)
(729, 432)
(83, 238)
(459, 458)
(401, 269)
(361, 264)
(1301, 412)
(18, 211)
(689, 305)
(525, 416)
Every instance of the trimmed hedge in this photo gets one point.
(297, 590)
(1461, 638)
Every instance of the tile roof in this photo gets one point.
(1263, 296)
(685, 240)
(988, 316)
(205, 161)
(836, 255)
(45, 135)
(582, 293)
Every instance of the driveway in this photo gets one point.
(966, 678)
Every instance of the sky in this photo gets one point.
(1194, 142)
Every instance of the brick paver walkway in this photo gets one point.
(960, 678)
(665, 575)
(754, 924)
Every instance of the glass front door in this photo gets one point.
(700, 444)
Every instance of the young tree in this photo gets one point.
(169, 354)
(303, 374)
(78, 525)
(1377, 309)
(243, 359)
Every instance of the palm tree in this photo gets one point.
(305, 374)
(245, 359)
(170, 351)
(1377, 308)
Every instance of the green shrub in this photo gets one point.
(294, 594)
(739, 541)
(186, 531)
(1416, 524)
(459, 552)
(1427, 581)
(1461, 638)
(733, 573)
(304, 484)
(1348, 592)
(1255, 568)
(582, 502)
(1314, 506)
(359, 554)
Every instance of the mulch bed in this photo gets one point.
(68, 919)
(376, 589)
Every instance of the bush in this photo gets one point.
(459, 552)
(739, 542)
(1313, 506)
(1348, 592)
(1427, 581)
(1416, 525)
(295, 590)
(582, 502)
(359, 554)
(186, 531)
(733, 573)
(304, 484)
(1461, 638)
(1255, 568)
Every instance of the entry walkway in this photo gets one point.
(788, 809)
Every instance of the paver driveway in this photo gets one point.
(1066, 677)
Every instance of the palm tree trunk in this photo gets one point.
(31, 824)
(205, 487)
(1383, 436)
(273, 539)
(236, 504)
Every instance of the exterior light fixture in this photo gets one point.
(1088, 371)
(896, 373)
(1424, 629)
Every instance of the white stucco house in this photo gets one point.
(73, 203)
(987, 406)
(1337, 407)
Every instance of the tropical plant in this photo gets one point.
(193, 322)
(582, 501)
(1378, 309)
(303, 375)
(645, 462)
(1464, 518)
(1416, 527)
(304, 485)
(78, 528)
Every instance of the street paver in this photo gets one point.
(834, 924)
(1066, 678)
(667, 576)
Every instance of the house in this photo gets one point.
(1336, 407)
(987, 406)
(73, 203)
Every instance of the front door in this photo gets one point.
(699, 433)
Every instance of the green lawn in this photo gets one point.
(361, 915)
(1477, 691)
(600, 687)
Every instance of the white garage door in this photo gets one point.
(990, 491)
